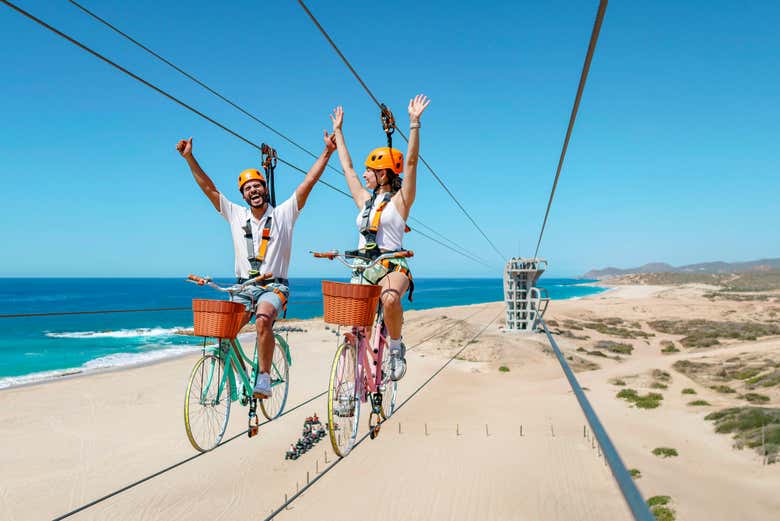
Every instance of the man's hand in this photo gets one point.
(184, 147)
(330, 141)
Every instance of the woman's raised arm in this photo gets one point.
(409, 187)
(359, 194)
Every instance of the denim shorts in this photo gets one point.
(253, 295)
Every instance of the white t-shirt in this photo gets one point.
(390, 235)
(277, 257)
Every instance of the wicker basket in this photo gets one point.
(349, 304)
(217, 318)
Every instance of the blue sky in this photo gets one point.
(673, 157)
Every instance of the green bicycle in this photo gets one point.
(224, 373)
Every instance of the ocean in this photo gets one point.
(40, 348)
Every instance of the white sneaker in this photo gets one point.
(262, 388)
(397, 363)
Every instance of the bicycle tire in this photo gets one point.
(204, 421)
(343, 400)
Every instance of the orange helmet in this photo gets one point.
(248, 175)
(386, 157)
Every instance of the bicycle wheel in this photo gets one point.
(390, 386)
(343, 400)
(280, 384)
(206, 408)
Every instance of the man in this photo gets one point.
(262, 239)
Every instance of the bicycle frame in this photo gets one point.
(369, 356)
(226, 351)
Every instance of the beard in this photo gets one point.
(257, 202)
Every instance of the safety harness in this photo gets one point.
(256, 261)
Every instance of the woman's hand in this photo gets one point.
(337, 118)
(417, 106)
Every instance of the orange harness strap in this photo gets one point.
(397, 267)
(279, 293)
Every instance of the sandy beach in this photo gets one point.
(474, 443)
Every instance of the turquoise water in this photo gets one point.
(37, 348)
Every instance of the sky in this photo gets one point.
(673, 157)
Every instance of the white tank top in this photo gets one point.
(391, 227)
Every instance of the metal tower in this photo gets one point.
(525, 303)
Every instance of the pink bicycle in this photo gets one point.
(360, 371)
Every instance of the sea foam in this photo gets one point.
(119, 333)
(103, 362)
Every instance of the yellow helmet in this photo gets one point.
(249, 175)
(386, 157)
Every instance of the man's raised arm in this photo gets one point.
(206, 184)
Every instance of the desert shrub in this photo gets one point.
(646, 401)
(663, 513)
(665, 452)
(755, 397)
(688, 390)
(614, 347)
(658, 500)
(706, 333)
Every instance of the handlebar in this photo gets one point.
(234, 288)
(335, 254)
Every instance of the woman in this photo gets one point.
(384, 206)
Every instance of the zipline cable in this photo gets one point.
(178, 101)
(232, 438)
(243, 111)
(155, 88)
(378, 104)
(363, 438)
(583, 77)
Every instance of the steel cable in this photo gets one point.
(378, 104)
(225, 442)
(246, 112)
(583, 77)
(363, 438)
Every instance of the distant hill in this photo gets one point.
(717, 267)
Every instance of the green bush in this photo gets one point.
(635, 473)
(614, 347)
(503, 369)
(662, 375)
(725, 389)
(699, 403)
(756, 397)
(658, 385)
(663, 513)
(665, 452)
(705, 333)
(647, 401)
(658, 501)
(617, 381)
(688, 390)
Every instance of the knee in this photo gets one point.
(264, 324)
(391, 299)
